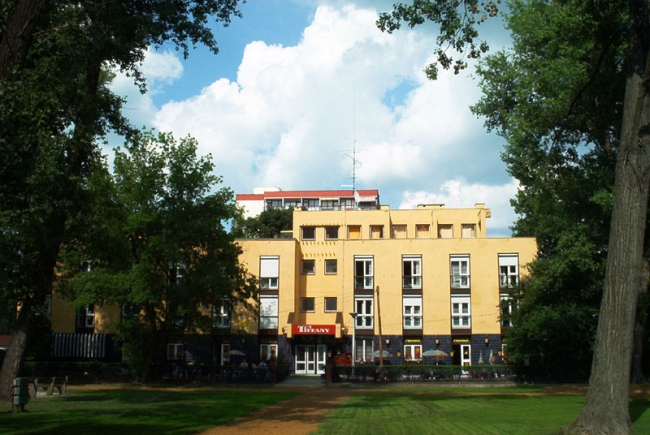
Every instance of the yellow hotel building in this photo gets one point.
(352, 270)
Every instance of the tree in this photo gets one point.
(178, 260)
(55, 108)
(606, 406)
(269, 224)
(561, 144)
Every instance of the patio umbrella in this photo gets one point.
(385, 354)
(480, 357)
(437, 354)
(237, 353)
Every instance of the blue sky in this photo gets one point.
(298, 84)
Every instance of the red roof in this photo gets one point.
(248, 197)
(307, 194)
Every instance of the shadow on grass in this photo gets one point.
(637, 408)
(126, 412)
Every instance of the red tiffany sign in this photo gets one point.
(313, 329)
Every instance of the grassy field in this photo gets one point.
(478, 412)
(392, 411)
(136, 411)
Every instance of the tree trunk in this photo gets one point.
(605, 411)
(152, 348)
(17, 35)
(16, 354)
(42, 277)
(636, 374)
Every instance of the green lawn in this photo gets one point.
(398, 412)
(136, 411)
(394, 411)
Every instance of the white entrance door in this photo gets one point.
(305, 360)
(465, 355)
(321, 355)
(301, 360)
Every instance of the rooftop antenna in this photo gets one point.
(354, 138)
(354, 144)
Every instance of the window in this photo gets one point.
(268, 351)
(422, 231)
(175, 351)
(365, 314)
(505, 356)
(445, 231)
(330, 304)
(48, 304)
(412, 272)
(308, 233)
(413, 352)
(331, 267)
(225, 354)
(269, 272)
(86, 318)
(508, 271)
(86, 266)
(412, 312)
(507, 304)
(307, 305)
(398, 231)
(347, 204)
(273, 203)
(311, 204)
(130, 311)
(291, 203)
(221, 314)
(364, 350)
(269, 312)
(468, 231)
(308, 267)
(376, 231)
(329, 204)
(460, 312)
(331, 233)
(354, 231)
(176, 273)
(363, 273)
(459, 271)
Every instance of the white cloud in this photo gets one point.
(159, 69)
(294, 112)
(458, 193)
(162, 68)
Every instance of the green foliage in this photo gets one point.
(269, 224)
(457, 21)
(176, 258)
(55, 111)
(556, 99)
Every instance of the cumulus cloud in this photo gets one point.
(458, 193)
(160, 69)
(346, 103)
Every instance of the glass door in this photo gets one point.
(321, 355)
(465, 355)
(311, 359)
(301, 359)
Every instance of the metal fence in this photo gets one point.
(79, 346)
(433, 373)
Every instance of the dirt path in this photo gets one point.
(298, 416)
